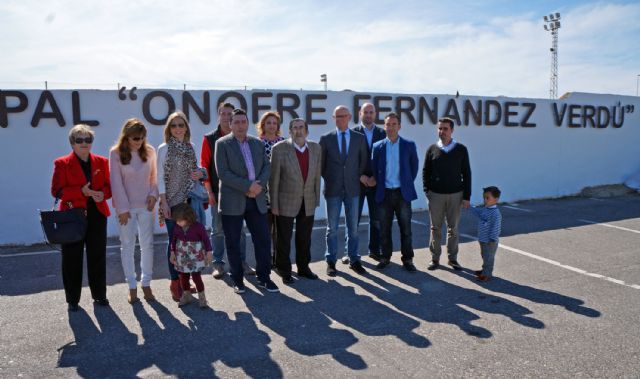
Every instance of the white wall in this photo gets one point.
(534, 162)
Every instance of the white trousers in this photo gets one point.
(140, 223)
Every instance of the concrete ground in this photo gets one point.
(564, 304)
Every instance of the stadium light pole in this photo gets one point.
(323, 79)
(637, 83)
(552, 24)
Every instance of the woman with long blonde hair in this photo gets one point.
(132, 163)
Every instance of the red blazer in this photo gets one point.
(68, 178)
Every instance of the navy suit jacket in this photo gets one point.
(408, 168)
(378, 135)
(338, 176)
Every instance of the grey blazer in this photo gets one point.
(287, 188)
(232, 171)
(338, 176)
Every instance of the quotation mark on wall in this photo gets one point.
(132, 93)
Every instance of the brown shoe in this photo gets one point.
(483, 278)
(218, 270)
(202, 300)
(186, 298)
(133, 296)
(247, 269)
(148, 295)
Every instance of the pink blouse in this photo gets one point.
(132, 183)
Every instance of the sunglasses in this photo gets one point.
(181, 126)
(137, 139)
(79, 140)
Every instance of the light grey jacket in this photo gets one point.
(234, 177)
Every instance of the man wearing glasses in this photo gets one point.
(344, 160)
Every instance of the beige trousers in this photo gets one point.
(444, 206)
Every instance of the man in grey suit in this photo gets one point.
(344, 160)
(244, 171)
(294, 189)
(373, 134)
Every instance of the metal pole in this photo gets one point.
(637, 83)
(46, 85)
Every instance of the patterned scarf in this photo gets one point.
(180, 162)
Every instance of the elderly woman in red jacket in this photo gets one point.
(81, 180)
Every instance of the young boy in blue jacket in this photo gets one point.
(489, 226)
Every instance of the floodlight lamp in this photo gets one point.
(558, 16)
(545, 27)
(546, 19)
(557, 24)
(551, 16)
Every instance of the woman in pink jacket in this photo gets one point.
(134, 187)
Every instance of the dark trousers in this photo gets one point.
(394, 203)
(257, 224)
(95, 241)
(304, 227)
(273, 232)
(374, 221)
(173, 273)
(197, 280)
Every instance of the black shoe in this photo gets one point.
(269, 285)
(409, 266)
(239, 289)
(288, 279)
(376, 257)
(434, 265)
(383, 263)
(331, 269)
(357, 267)
(455, 265)
(101, 302)
(478, 273)
(73, 307)
(345, 260)
(307, 274)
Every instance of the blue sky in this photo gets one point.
(477, 48)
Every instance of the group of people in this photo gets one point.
(267, 183)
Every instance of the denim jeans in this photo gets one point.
(173, 273)
(374, 221)
(394, 203)
(217, 237)
(488, 252)
(334, 207)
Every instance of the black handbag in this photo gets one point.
(62, 227)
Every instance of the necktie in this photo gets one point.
(343, 149)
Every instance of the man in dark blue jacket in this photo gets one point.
(395, 167)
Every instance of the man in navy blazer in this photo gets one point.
(373, 134)
(395, 166)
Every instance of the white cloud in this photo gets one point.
(270, 44)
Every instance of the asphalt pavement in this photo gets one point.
(563, 303)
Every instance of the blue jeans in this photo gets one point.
(374, 220)
(217, 237)
(334, 207)
(257, 224)
(172, 270)
(488, 252)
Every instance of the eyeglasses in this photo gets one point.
(180, 126)
(137, 139)
(79, 140)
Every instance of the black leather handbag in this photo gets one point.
(62, 227)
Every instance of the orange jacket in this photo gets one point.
(68, 179)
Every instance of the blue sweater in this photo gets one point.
(489, 224)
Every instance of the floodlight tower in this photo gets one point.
(552, 24)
